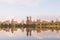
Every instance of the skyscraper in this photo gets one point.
(30, 20)
(27, 21)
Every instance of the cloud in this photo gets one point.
(22, 2)
(7, 1)
(28, 2)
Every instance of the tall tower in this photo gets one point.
(12, 26)
(27, 18)
(30, 20)
(27, 21)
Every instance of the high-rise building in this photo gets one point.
(13, 25)
(6, 22)
(22, 22)
(30, 20)
(27, 21)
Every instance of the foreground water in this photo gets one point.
(20, 35)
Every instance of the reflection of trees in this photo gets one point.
(51, 26)
(29, 28)
(5, 25)
(33, 26)
(18, 25)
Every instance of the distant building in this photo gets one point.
(14, 22)
(22, 22)
(27, 21)
(13, 25)
(6, 22)
(30, 20)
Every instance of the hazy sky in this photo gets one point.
(19, 9)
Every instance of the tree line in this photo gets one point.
(17, 25)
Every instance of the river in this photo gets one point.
(22, 35)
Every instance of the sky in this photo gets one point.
(37, 9)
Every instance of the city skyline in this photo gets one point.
(29, 19)
(38, 9)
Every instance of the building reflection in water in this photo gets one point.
(12, 26)
(52, 30)
(22, 28)
(28, 30)
(57, 31)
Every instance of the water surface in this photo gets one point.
(22, 35)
